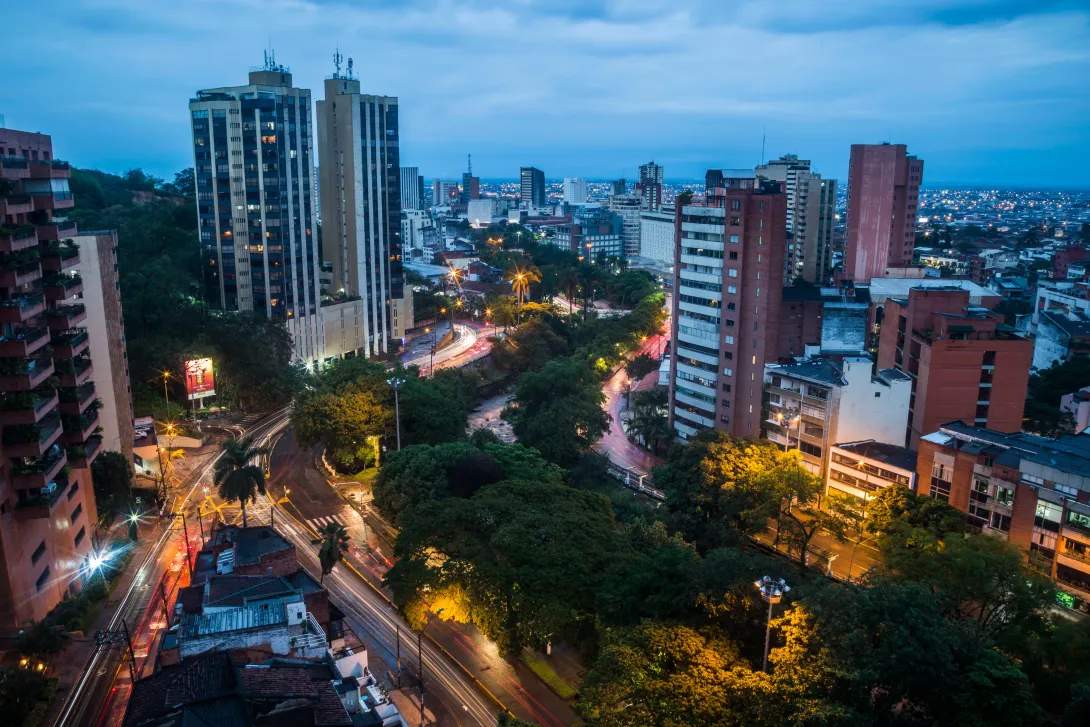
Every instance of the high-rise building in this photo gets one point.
(361, 179)
(810, 200)
(658, 236)
(533, 187)
(651, 173)
(252, 151)
(883, 194)
(627, 207)
(575, 190)
(965, 363)
(412, 189)
(471, 188)
(49, 413)
(728, 283)
(443, 193)
(594, 234)
(649, 188)
(617, 186)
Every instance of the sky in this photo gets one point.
(988, 92)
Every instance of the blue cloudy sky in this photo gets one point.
(988, 92)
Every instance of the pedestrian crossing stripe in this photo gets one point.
(319, 523)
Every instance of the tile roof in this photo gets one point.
(252, 543)
(310, 682)
(194, 625)
(201, 677)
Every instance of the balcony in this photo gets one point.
(59, 256)
(73, 371)
(56, 230)
(15, 239)
(75, 401)
(16, 204)
(64, 317)
(39, 503)
(23, 341)
(53, 200)
(62, 286)
(47, 169)
(14, 168)
(38, 472)
(78, 428)
(26, 407)
(81, 456)
(32, 440)
(17, 274)
(24, 374)
(21, 308)
(70, 343)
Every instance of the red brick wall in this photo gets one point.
(282, 562)
(800, 324)
(318, 604)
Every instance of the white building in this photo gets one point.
(442, 193)
(817, 403)
(658, 236)
(412, 189)
(481, 212)
(1065, 297)
(575, 190)
(627, 206)
(1058, 336)
(861, 469)
(418, 231)
(811, 204)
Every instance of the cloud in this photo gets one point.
(982, 89)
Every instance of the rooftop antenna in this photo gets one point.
(349, 67)
(337, 58)
(763, 135)
(469, 163)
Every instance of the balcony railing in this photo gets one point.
(23, 340)
(81, 455)
(21, 307)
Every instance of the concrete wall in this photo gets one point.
(870, 409)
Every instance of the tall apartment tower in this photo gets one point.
(533, 187)
(575, 190)
(649, 188)
(49, 410)
(807, 201)
(883, 194)
(412, 189)
(443, 193)
(728, 283)
(627, 207)
(651, 172)
(252, 152)
(361, 213)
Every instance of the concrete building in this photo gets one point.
(861, 469)
(1032, 491)
(1060, 336)
(443, 194)
(832, 322)
(412, 189)
(48, 414)
(593, 234)
(883, 194)
(102, 298)
(471, 188)
(1078, 406)
(728, 281)
(965, 363)
(786, 170)
(658, 236)
(253, 160)
(815, 229)
(575, 190)
(1061, 296)
(418, 230)
(361, 232)
(481, 212)
(532, 187)
(651, 173)
(628, 208)
(816, 403)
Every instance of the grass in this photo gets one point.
(367, 476)
(547, 674)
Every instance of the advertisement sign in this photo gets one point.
(199, 381)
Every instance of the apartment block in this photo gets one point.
(864, 468)
(628, 208)
(471, 188)
(1059, 336)
(728, 281)
(575, 190)
(1032, 491)
(965, 363)
(828, 321)
(813, 404)
(883, 197)
(532, 187)
(49, 409)
(443, 193)
(593, 234)
(658, 237)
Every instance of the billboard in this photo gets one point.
(199, 381)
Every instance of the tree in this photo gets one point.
(42, 640)
(899, 516)
(1045, 390)
(800, 519)
(506, 719)
(534, 344)
(416, 475)
(20, 691)
(345, 421)
(640, 366)
(334, 543)
(111, 474)
(649, 419)
(237, 477)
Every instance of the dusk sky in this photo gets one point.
(988, 92)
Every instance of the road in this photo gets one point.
(312, 503)
(470, 344)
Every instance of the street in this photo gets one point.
(471, 343)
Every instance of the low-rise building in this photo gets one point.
(1059, 336)
(863, 468)
(1061, 296)
(1078, 406)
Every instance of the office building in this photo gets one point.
(532, 193)
(883, 194)
(443, 193)
(627, 207)
(101, 297)
(814, 403)
(412, 189)
(594, 234)
(965, 363)
(252, 155)
(728, 282)
(471, 188)
(361, 234)
(575, 190)
(48, 410)
(658, 236)
(1032, 491)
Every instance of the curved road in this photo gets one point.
(470, 344)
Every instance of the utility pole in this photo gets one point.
(397, 630)
(396, 383)
(772, 590)
(118, 638)
(420, 659)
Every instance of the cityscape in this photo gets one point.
(300, 427)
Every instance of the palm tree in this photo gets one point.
(236, 475)
(520, 279)
(570, 279)
(334, 543)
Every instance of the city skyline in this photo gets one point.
(987, 92)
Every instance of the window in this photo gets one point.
(42, 579)
(735, 221)
(877, 394)
(811, 449)
(734, 256)
(726, 388)
(732, 290)
(728, 372)
(732, 272)
(728, 339)
(735, 205)
(76, 513)
(734, 239)
(1004, 496)
(38, 553)
(79, 536)
(72, 491)
(1064, 489)
(1001, 522)
(1032, 479)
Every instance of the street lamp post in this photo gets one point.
(272, 510)
(396, 383)
(772, 590)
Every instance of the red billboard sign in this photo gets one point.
(199, 380)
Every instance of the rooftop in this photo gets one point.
(200, 678)
(821, 370)
(900, 457)
(882, 288)
(1068, 453)
(252, 543)
(236, 590)
(804, 293)
(1077, 327)
(194, 625)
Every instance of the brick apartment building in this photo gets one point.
(1033, 491)
(48, 404)
(965, 363)
(728, 283)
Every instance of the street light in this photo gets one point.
(396, 383)
(272, 510)
(772, 590)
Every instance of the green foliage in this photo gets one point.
(506, 719)
(42, 640)
(20, 691)
(111, 473)
(649, 421)
(334, 539)
(529, 347)
(900, 517)
(1046, 388)
(640, 366)
(236, 475)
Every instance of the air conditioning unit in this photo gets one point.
(297, 613)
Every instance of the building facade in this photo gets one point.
(815, 233)
(728, 282)
(412, 189)
(593, 234)
(657, 236)
(628, 208)
(471, 188)
(49, 413)
(965, 364)
(532, 187)
(1059, 336)
(575, 190)
(253, 160)
(862, 469)
(443, 193)
(361, 229)
(883, 197)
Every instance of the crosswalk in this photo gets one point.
(319, 523)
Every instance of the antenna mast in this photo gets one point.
(469, 163)
(337, 58)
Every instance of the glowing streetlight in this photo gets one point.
(772, 591)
